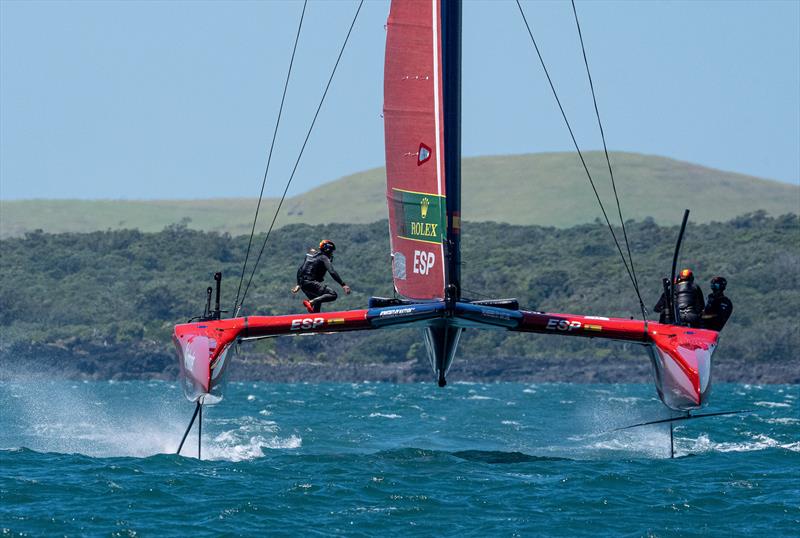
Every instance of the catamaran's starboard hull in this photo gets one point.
(682, 374)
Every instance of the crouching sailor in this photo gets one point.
(311, 273)
(718, 307)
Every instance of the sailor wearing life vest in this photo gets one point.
(664, 315)
(689, 299)
(311, 273)
(718, 307)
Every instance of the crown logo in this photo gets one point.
(424, 206)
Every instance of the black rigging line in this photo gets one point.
(479, 294)
(269, 157)
(577, 148)
(608, 161)
(297, 162)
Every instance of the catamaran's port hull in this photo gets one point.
(681, 356)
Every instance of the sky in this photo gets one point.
(178, 99)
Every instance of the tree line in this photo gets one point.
(104, 303)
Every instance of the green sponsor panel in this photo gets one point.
(420, 216)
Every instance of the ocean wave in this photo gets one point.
(703, 444)
(781, 420)
(539, 469)
(384, 415)
(772, 404)
(231, 446)
(624, 399)
(644, 443)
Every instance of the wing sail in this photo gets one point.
(414, 137)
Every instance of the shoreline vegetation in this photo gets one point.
(101, 305)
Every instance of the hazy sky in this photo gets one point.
(179, 99)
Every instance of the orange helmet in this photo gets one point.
(327, 246)
(685, 274)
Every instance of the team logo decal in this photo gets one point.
(396, 312)
(419, 216)
(555, 324)
(423, 262)
(306, 323)
(423, 154)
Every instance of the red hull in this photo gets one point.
(681, 356)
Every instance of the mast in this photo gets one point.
(451, 82)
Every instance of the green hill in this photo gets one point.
(538, 189)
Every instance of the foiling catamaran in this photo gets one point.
(422, 124)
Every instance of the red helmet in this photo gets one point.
(685, 274)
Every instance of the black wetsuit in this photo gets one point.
(690, 303)
(310, 277)
(717, 311)
(664, 315)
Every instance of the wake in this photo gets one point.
(110, 420)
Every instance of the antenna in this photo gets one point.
(671, 297)
(218, 280)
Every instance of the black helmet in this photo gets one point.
(327, 246)
(718, 283)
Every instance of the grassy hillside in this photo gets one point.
(539, 189)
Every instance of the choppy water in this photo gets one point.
(372, 459)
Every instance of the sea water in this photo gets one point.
(369, 459)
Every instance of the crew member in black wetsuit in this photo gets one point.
(689, 299)
(311, 273)
(664, 315)
(718, 307)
